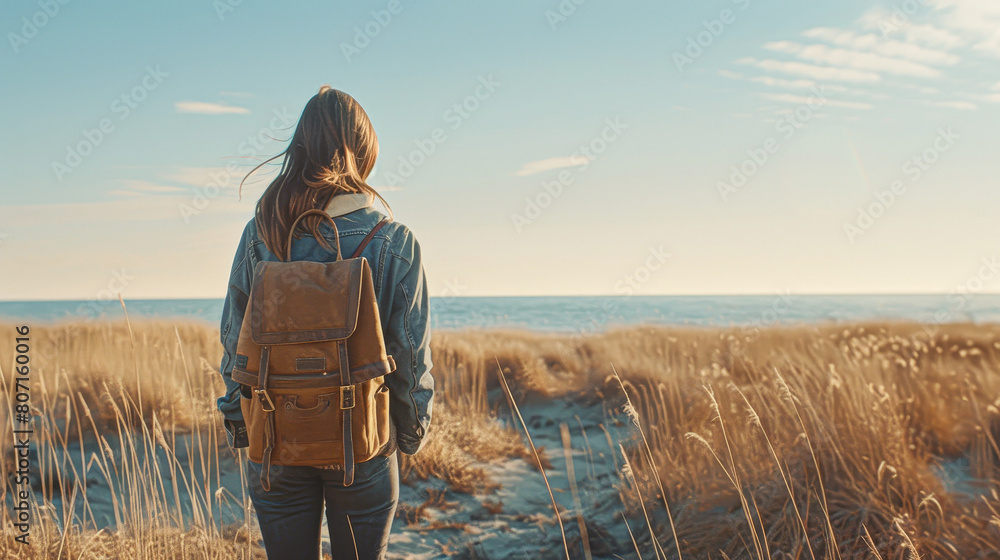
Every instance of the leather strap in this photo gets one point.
(371, 234)
(318, 212)
(345, 379)
(265, 470)
(265, 354)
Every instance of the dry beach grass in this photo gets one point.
(789, 442)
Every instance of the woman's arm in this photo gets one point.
(237, 296)
(407, 339)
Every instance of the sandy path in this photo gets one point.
(526, 527)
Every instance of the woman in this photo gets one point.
(325, 166)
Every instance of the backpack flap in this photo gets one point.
(303, 311)
(305, 301)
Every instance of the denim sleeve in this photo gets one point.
(237, 296)
(411, 386)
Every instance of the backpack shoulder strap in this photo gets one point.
(368, 238)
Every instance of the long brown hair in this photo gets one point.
(332, 151)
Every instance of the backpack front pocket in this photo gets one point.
(318, 422)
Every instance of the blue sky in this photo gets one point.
(550, 148)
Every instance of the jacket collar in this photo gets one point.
(349, 202)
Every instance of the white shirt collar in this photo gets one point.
(348, 202)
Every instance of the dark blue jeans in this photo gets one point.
(359, 516)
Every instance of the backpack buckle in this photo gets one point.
(347, 397)
(265, 400)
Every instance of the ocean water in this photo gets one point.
(582, 315)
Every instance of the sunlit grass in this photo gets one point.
(818, 442)
(804, 442)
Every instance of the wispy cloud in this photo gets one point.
(957, 23)
(782, 83)
(224, 177)
(963, 105)
(881, 20)
(197, 176)
(549, 164)
(133, 187)
(882, 46)
(131, 208)
(926, 90)
(769, 81)
(204, 108)
(822, 73)
(881, 56)
(803, 100)
(990, 45)
(932, 36)
(985, 97)
(979, 19)
(146, 186)
(845, 58)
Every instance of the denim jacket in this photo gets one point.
(401, 292)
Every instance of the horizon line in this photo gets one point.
(754, 294)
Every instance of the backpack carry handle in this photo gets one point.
(291, 232)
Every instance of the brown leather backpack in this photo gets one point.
(312, 360)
